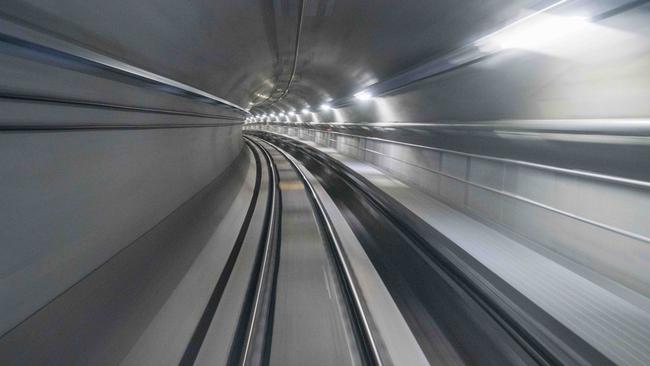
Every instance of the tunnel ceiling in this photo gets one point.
(263, 53)
(348, 45)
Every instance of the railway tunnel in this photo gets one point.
(325, 182)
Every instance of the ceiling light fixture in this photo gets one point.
(537, 30)
(363, 95)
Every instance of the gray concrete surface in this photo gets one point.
(142, 305)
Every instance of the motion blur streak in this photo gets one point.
(325, 182)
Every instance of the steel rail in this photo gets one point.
(371, 346)
(247, 352)
(201, 330)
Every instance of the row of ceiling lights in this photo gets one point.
(534, 31)
(361, 96)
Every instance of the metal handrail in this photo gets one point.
(573, 172)
(598, 224)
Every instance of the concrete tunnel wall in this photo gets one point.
(79, 197)
(90, 161)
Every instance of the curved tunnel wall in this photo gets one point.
(91, 159)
